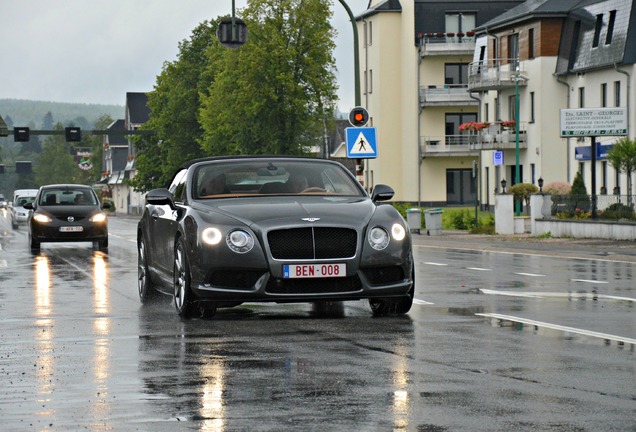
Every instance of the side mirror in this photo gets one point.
(160, 197)
(382, 193)
(28, 206)
(106, 205)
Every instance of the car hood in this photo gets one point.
(270, 212)
(75, 210)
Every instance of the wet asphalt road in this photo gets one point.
(498, 340)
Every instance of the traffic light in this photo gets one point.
(23, 167)
(73, 134)
(21, 134)
(358, 117)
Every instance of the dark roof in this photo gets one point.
(117, 139)
(119, 156)
(385, 6)
(535, 9)
(137, 108)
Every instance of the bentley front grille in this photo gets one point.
(313, 243)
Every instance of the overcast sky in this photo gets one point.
(92, 51)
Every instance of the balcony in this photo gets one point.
(496, 74)
(444, 44)
(467, 144)
(446, 95)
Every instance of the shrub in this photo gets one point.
(557, 188)
(617, 211)
(522, 191)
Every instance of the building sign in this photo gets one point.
(498, 157)
(593, 122)
(585, 153)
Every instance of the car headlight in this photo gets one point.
(398, 232)
(98, 218)
(240, 241)
(42, 218)
(378, 238)
(211, 236)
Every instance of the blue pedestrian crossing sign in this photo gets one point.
(362, 143)
(498, 157)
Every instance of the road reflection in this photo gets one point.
(47, 321)
(277, 368)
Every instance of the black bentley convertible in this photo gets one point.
(230, 230)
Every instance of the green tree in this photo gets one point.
(272, 95)
(623, 158)
(56, 164)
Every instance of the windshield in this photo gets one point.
(267, 177)
(67, 196)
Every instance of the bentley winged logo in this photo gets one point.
(311, 219)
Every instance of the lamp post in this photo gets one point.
(540, 182)
(503, 186)
(356, 53)
(517, 173)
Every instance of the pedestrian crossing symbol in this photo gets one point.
(362, 143)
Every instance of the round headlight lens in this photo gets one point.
(240, 241)
(378, 238)
(398, 232)
(211, 236)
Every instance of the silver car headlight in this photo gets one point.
(378, 238)
(211, 236)
(240, 241)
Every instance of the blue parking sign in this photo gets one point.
(498, 157)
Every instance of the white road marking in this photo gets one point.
(575, 330)
(566, 295)
(530, 274)
(421, 302)
(435, 264)
(589, 281)
(478, 269)
(3, 263)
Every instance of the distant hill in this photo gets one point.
(28, 112)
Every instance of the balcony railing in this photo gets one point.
(449, 94)
(467, 144)
(447, 43)
(496, 74)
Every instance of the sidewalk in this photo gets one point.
(616, 250)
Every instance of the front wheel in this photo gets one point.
(147, 292)
(399, 306)
(35, 245)
(182, 294)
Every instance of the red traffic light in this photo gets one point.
(358, 117)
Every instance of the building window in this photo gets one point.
(486, 110)
(597, 30)
(512, 107)
(368, 81)
(617, 93)
(581, 97)
(453, 120)
(531, 43)
(531, 107)
(513, 49)
(603, 95)
(610, 27)
(456, 74)
(460, 22)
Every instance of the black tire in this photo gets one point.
(398, 306)
(147, 292)
(103, 244)
(35, 245)
(183, 301)
(329, 309)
